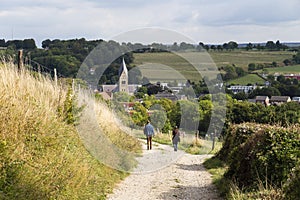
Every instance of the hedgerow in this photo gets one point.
(263, 154)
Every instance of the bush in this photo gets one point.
(261, 153)
(292, 185)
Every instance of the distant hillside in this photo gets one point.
(152, 62)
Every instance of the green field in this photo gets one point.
(243, 58)
(248, 79)
(295, 69)
(169, 66)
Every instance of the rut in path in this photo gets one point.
(165, 174)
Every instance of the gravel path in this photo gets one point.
(165, 174)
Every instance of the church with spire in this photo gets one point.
(122, 85)
(123, 78)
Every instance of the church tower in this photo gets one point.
(123, 78)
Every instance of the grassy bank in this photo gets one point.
(41, 155)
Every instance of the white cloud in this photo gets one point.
(210, 21)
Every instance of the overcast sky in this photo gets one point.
(208, 21)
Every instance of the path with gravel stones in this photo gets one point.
(165, 174)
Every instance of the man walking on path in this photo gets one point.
(149, 132)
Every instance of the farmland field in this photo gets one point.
(248, 79)
(287, 69)
(243, 58)
(169, 66)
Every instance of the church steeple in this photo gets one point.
(123, 77)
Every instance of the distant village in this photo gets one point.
(173, 93)
(107, 91)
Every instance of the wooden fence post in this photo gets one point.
(20, 60)
(55, 77)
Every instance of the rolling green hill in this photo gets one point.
(243, 58)
(163, 65)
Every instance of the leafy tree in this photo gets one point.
(240, 96)
(266, 91)
(249, 46)
(158, 116)
(29, 44)
(287, 62)
(2, 43)
(296, 58)
(141, 91)
(139, 115)
(189, 115)
(205, 109)
(270, 45)
(232, 45)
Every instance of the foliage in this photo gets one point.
(266, 91)
(217, 168)
(69, 110)
(263, 153)
(291, 187)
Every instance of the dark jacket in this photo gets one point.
(175, 136)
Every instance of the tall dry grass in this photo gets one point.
(104, 135)
(41, 156)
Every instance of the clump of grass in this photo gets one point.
(267, 192)
(41, 155)
(189, 143)
(162, 138)
(218, 168)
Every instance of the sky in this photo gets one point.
(207, 21)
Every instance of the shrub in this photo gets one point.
(260, 153)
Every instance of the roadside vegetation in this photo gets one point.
(41, 154)
(258, 162)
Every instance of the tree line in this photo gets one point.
(192, 115)
(67, 55)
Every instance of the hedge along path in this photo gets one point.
(165, 174)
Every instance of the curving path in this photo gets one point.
(165, 174)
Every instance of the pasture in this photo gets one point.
(170, 66)
(293, 69)
(248, 79)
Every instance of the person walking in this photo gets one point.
(149, 132)
(175, 137)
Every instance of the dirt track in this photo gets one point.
(165, 174)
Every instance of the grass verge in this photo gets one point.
(41, 155)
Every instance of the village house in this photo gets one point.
(265, 100)
(242, 88)
(277, 100)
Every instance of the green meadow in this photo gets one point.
(170, 66)
(248, 79)
(294, 69)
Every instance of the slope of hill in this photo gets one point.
(41, 155)
(161, 66)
